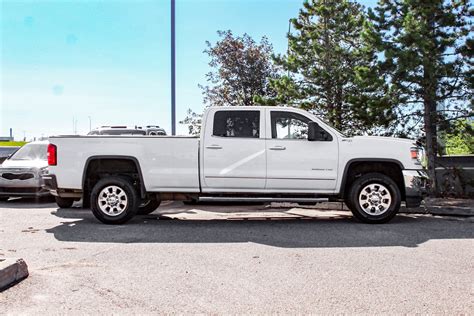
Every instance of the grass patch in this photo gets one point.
(16, 144)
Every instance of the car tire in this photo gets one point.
(114, 200)
(64, 202)
(148, 206)
(374, 198)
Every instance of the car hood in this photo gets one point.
(27, 164)
(376, 139)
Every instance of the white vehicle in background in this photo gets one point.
(152, 130)
(243, 154)
(21, 173)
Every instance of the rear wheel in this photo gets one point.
(64, 202)
(114, 200)
(148, 207)
(374, 198)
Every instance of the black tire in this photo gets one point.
(129, 209)
(384, 183)
(148, 207)
(64, 202)
(4, 198)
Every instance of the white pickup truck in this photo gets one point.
(244, 154)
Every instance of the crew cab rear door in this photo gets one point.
(295, 164)
(234, 150)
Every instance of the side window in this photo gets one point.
(287, 125)
(237, 124)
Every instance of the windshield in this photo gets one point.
(331, 126)
(31, 152)
(320, 117)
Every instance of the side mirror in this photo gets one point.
(313, 128)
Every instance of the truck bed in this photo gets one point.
(167, 163)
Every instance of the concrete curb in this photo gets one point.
(443, 207)
(12, 271)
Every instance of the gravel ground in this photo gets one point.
(193, 259)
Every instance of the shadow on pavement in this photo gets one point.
(404, 230)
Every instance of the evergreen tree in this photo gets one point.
(330, 70)
(424, 58)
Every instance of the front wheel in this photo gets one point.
(114, 200)
(374, 198)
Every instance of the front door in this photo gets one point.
(234, 151)
(294, 163)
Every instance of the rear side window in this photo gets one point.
(244, 124)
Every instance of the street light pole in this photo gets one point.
(288, 45)
(173, 70)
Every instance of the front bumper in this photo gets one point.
(23, 192)
(416, 182)
(21, 182)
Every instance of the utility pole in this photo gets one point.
(173, 70)
(74, 125)
(288, 44)
(90, 123)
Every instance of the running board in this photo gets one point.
(259, 199)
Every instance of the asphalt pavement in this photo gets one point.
(217, 259)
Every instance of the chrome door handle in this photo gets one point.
(214, 147)
(278, 148)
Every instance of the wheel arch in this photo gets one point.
(390, 167)
(127, 163)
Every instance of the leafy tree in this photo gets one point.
(330, 70)
(241, 70)
(424, 46)
(193, 120)
(459, 139)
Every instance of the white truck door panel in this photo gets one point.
(234, 150)
(293, 162)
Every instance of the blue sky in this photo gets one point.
(110, 60)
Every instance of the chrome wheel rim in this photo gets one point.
(375, 199)
(112, 200)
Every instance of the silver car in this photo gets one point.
(20, 174)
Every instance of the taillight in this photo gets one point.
(52, 155)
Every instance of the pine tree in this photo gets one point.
(424, 48)
(330, 71)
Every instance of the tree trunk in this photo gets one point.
(431, 142)
(430, 120)
(430, 85)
